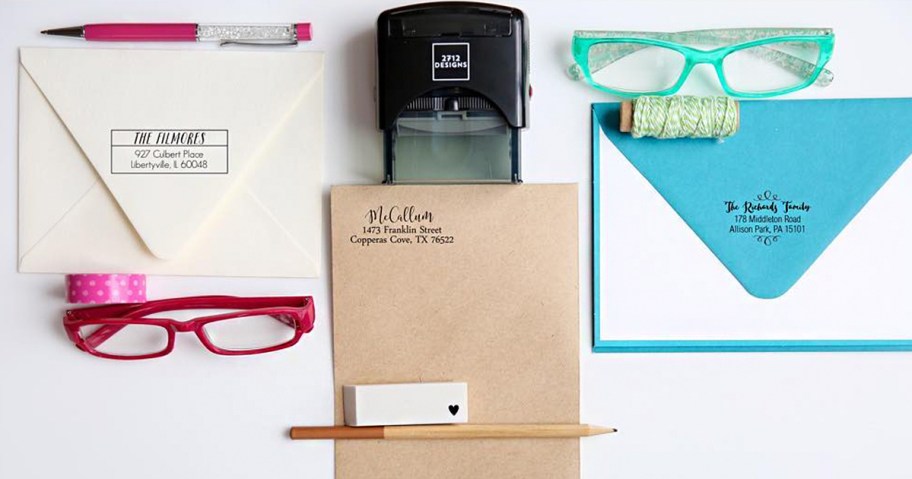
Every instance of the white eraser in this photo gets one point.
(403, 404)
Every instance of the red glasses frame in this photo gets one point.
(295, 311)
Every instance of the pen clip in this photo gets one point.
(259, 43)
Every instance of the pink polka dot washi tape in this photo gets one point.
(105, 288)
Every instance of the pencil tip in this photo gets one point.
(78, 32)
(596, 430)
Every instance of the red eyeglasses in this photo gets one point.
(241, 325)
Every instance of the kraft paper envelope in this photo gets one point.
(170, 162)
(460, 283)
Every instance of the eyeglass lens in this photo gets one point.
(640, 68)
(241, 333)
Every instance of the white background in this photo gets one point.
(66, 414)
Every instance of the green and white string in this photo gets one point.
(684, 117)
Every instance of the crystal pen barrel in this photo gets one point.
(289, 33)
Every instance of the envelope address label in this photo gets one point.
(767, 218)
(169, 152)
(396, 225)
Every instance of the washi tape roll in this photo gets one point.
(105, 288)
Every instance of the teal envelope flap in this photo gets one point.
(768, 201)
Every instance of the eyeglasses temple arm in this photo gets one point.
(793, 64)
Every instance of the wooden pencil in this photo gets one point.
(451, 431)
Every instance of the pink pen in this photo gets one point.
(287, 34)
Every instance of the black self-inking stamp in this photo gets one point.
(452, 92)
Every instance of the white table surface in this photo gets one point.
(64, 413)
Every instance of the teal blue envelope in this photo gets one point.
(768, 201)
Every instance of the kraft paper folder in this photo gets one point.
(489, 295)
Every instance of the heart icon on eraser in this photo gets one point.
(454, 408)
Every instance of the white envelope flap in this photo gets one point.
(171, 132)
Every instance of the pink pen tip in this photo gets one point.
(303, 32)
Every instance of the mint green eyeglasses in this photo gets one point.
(749, 62)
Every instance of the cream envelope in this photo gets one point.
(170, 162)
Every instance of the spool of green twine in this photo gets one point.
(680, 117)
